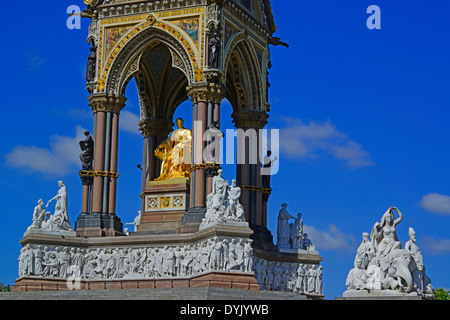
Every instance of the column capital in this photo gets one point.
(250, 119)
(209, 93)
(155, 127)
(106, 103)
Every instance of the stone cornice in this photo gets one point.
(249, 20)
(139, 7)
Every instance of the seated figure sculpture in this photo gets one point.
(176, 153)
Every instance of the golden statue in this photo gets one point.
(176, 154)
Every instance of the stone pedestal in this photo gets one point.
(98, 225)
(382, 295)
(68, 233)
(165, 204)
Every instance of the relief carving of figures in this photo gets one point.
(289, 277)
(137, 263)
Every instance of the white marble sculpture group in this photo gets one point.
(59, 221)
(382, 264)
(289, 277)
(223, 203)
(292, 235)
(230, 255)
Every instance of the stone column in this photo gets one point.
(205, 99)
(249, 175)
(114, 163)
(87, 181)
(107, 109)
(199, 145)
(97, 188)
(102, 220)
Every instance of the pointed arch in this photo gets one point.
(242, 75)
(116, 72)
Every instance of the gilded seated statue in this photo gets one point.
(176, 154)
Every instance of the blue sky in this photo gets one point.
(366, 113)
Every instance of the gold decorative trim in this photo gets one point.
(257, 189)
(152, 21)
(106, 174)
(204, 166)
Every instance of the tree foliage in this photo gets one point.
(441, 294)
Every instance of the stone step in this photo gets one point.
(156, 294)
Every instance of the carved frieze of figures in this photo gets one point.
(225, 255)
(289, 277)
(229, 255)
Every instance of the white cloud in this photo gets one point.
(436, 247)
(308, 141)
(59, 160)
(331, 239)
(129, 122)
(436, 203)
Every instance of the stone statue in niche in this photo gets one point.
(87, 146)
(382, 264)
(213, 136)
(214, 51)
(91, 70)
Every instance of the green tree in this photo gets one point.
(4, 288)
(441, 294)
